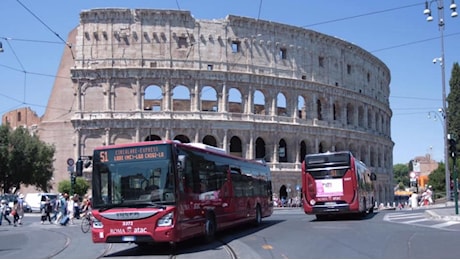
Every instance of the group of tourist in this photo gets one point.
(64, 209)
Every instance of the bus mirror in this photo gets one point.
(181, 162)
(373, 176)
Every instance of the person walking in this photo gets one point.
(4, 212)
(62, 207)
(70, 209)
(14, 212)
(46, 211)
(20, 210)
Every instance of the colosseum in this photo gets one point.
(258, 89)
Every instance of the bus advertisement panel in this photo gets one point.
(166, 191)
(336, 183)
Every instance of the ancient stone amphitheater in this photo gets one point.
(257, 89)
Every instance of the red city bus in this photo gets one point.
(167, 191)
(336, 183)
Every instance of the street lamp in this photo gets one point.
(441, 24)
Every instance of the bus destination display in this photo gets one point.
(134, 153)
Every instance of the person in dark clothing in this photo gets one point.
(46, 211)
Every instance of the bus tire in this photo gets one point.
(320, 217)
(209, 228)
(258, 218)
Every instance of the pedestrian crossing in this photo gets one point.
(421, 219)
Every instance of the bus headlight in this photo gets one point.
(312, 202)
(97, 224)
(166, 220)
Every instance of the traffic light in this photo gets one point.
(73, 180)
(79, 167)
(452, 146)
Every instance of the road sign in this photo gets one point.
(70, 162)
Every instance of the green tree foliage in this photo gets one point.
(24, 159)
(437, 179)
(453, 100)
(81, 186)
(401, 175)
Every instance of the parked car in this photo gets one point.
(10, 199)
(36, 200)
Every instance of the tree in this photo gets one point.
(437, 179)
(24, 159)
(81, 187)
(453, 100)
(401, 174)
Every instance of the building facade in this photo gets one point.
(258, 89)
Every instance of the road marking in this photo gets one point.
(414, 221)
(445, 224)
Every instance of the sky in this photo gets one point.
(33, 35)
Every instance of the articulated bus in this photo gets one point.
(336, 183)
(167, 191)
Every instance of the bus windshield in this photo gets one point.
(328, 173)
(133, 183)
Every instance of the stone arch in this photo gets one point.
(152, 138)
(339, 146)
(260, 149)
(319, 109)
(259, 103)
(93, 98)
(350, 114)
(122, 138)
(210, 140)
(301, 107)
(281, 105)
(236, 147)
(181, 98)
(361, 116)
(124, 98)
(153, 98)
(370, 119)
(182, 138)
(283, 193)
(208, 99)
(303, 151)
(322, 147)
(282, 151)
(89, 143)
(235, 104)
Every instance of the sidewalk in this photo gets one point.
(443, 211)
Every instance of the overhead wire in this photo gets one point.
(258, 16)
(49, 28)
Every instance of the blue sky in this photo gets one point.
(395, 31)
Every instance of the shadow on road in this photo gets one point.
(194, 245)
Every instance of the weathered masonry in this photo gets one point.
(257, 89)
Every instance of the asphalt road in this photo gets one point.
(288, 233)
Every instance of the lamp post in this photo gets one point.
(441, 24)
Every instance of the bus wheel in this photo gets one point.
(320, 217)
(258, 219)
(209, 228)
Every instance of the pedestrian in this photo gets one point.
(429, 193)
(55, 208)
(76, 206)
(4, 212)
(413, 200)
(70, 209)
(20, 210)
(62, 207)
(14, 212)
(46, 211)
